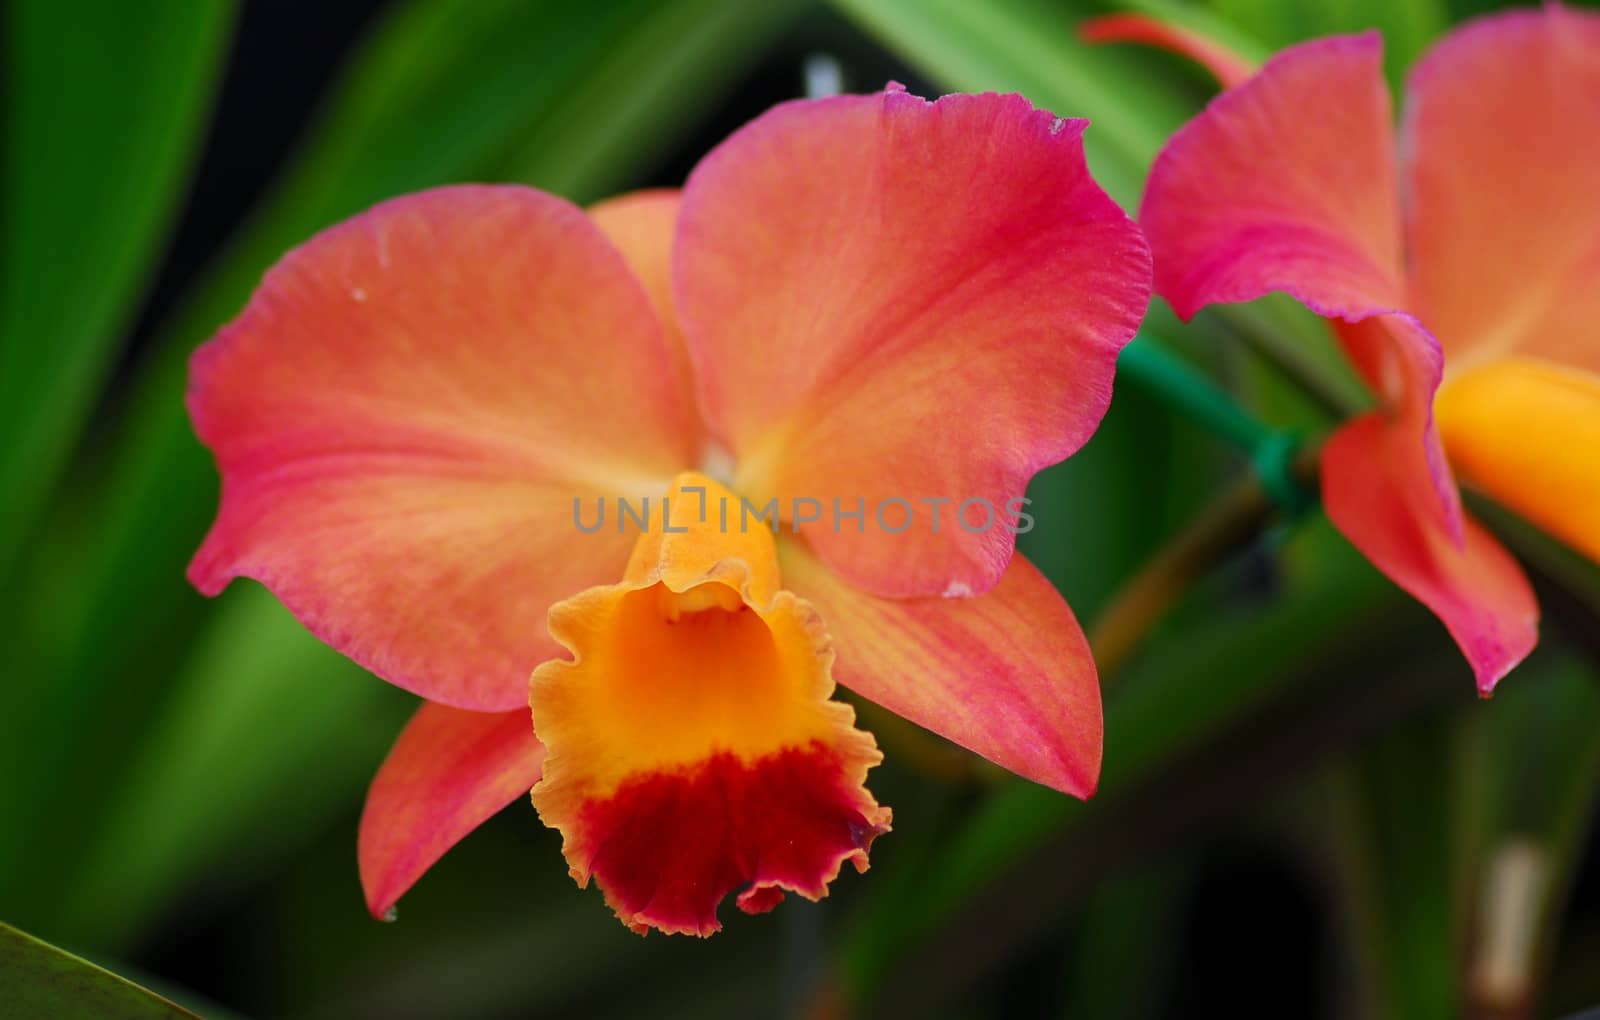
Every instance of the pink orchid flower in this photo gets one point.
(855, 303)
(1459, 267)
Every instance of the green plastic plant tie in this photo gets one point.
(1271, 451)
(1274, 463)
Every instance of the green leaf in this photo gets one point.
(265, 724)
(614, 116)
(1407, 27)
(1392, 819)
(1534, 767)
(1126, 948)
(103, 109)
(41, 982)
(1457, 840)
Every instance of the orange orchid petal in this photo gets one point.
(693, 745)
(1388, 511)
(1286, 183)
(450, 771)
(1007, 674)
(641, 224)
(1403, 364)
(1226, 66)
(1503, 131)
(403, 415)
(888, 299)
(1527, 433)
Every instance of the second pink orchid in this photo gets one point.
(1458, 264)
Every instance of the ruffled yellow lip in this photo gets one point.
(693, 746)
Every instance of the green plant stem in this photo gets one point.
(1270, 451)
(1148, 363)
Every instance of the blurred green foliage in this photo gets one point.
(178, 767)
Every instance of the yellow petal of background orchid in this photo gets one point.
(1527, 433)
(1502, 132)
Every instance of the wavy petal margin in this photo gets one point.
(403, 416)
(1286, 183)
(889, 300)
(1502, 135)
(1387, 511)
(1007, 674)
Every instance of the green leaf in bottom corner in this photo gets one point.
(41, 982)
